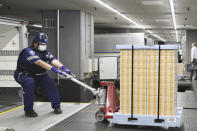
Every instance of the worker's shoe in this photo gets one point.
(31, 113)
(57, 110)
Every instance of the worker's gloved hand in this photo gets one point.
(56, 70)
(66, 70)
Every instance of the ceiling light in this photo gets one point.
(126, 18)
(1, 4)
(173, 18)
(117, 12)
(35, 25)
(155, 35)
(152, 2)
(162, 20)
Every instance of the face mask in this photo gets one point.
(42, 47)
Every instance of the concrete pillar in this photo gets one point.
(75, 47)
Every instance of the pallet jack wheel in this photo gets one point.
(176, 128)
(99, 116)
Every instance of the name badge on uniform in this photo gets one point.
(31, 52)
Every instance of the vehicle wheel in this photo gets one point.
(99, 116)
(175, 129)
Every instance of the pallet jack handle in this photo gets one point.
(97, 92)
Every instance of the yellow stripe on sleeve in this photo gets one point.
(31, 57)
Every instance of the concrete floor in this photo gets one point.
(84, 120)
(8, 102)
(80, 117)
(46, 118)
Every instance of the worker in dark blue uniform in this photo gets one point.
(32, 65)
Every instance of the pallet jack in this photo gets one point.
(109, 105)
(106, 97)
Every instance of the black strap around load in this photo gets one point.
(132, 118)
(158, 120)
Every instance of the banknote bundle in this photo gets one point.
(145, 67)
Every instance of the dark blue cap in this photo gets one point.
(41, 38)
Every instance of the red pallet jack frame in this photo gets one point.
(112, 102)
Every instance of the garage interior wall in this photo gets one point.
(107, 42)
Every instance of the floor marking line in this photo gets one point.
(11, 109)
